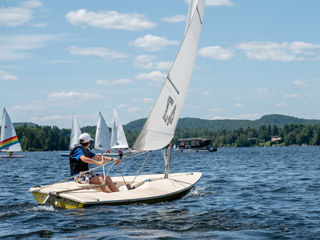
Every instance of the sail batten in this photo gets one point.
(160, 126)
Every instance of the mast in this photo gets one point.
(166, 174)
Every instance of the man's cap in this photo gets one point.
(85, 137)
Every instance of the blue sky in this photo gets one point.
(78, 56)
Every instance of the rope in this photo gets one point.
(128, 156)
(141, 167)
(123, 177)
(75, 175)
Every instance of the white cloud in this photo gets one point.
(291, 95)
(217, 52)
(121, 106)
(115, 82)
(6, 76)
(238, 105)
(13, 16)
(216, 3)
(142, 100)
(262, 91)
(149, 62)
(15, 47)
(174, 19)
(295, 51)
(216, 110)
(34, 107)
(96, 51)
(152, 43)
(17, 16)
(206, 93)
(194, 106)
(31, 4)
(281, 105)
(249, 116)
(74, 96)
(38, 25)
(52, 118)
(301, 83)
(134, 110)
(155, 76)
(109, 20)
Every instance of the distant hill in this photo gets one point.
(213, 125)
(29, 124)
(219, 125)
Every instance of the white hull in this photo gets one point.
(148, 189)
(66, 154)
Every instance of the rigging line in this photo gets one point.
(123, 177)
(71, 177)
(114, 162)
(104, 174)
(141, 167)
(136, 155)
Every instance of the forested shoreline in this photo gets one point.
(47, 138)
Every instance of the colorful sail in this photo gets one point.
(9, 141)
(160, 126)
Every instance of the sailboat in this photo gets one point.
(102, 138)
(74, 136)
(118, 137)
(157, 133)
(9, 141)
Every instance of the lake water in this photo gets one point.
(244, 193)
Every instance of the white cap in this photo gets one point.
(85, 137)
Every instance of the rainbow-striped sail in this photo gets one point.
(9, 141)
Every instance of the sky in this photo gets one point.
(59, 58)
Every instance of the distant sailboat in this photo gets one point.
(156, 134)
(118, 137)
(9, 141)
(102, 138)
(74, 136)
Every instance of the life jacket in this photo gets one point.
(77, 166)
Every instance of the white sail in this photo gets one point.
(192, 8)
(9, 141)
(102, 139)
(75, 132)
(160, 126)
(118, 137)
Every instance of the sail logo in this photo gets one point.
(168, 118)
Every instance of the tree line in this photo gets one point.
(47, 138)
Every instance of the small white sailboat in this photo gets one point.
(156, 134)
(102, 138)
(9, 141)
(118, 137)
(74, 136)
(118, 140)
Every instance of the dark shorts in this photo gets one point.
(85, 177)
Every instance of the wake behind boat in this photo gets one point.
(9, 140)
(157, 133)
